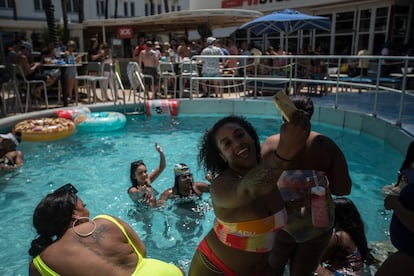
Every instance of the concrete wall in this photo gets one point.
(397, 137)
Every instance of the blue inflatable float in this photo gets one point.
(100, 121)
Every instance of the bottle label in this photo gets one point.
(71, 59)
(319, 208)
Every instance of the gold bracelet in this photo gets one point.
(281, 158)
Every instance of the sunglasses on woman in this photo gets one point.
(67, 188)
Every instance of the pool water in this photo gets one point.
(98, 165)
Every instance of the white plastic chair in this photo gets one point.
(167, 72)
(19, 74)
(135, 78)
(92, 79)
(10, 91)
(188, 71)
(108, 72)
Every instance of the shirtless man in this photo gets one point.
(148, 59)
(183, 50)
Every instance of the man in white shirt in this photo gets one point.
(211, 66)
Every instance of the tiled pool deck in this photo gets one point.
(388, 107)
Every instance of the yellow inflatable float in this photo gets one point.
(45, 129)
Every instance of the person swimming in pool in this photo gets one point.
(10, 157)
(185, 187)
(405, 174)
(185, 202)
(141, 190)
(68, 242)
(319, 162)
(248, 206)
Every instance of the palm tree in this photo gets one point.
(49, 9)
(81, 11)
(64, 4)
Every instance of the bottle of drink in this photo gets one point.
(71, 59)
(319, 207)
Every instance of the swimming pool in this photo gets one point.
(98, 165)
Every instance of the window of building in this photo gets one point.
(318, 31)
(6, 4)
(399, 28)
(364, 20)
(345, 22)
(132, 9)
(401, 19)
(381, 19)
(38, 5)
(175, 8)
(343, 44)
(73, 6)
(126, 9)
(100, 8)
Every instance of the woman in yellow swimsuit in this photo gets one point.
(70, 243)
(247, 203)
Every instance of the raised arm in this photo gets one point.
(161, 166)
(164, 197)
(201, 187)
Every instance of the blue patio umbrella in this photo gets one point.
(286, 22)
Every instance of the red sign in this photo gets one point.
(125, 32)
(236, 3)
(240, 3)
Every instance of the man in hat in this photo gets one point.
(31, 70)
(157, 49)
(10, 157)
(211, 66)
(184, 185)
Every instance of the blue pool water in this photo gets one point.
(98, 165)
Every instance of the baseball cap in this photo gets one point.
(14, 137)
(180, 169)
(210, 39)
(27, 45)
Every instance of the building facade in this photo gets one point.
(354, 24)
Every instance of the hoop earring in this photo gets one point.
(86, 234)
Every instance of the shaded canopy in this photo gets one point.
(181, 20)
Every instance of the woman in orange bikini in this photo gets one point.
(247, 203)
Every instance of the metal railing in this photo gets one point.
(299, 71)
